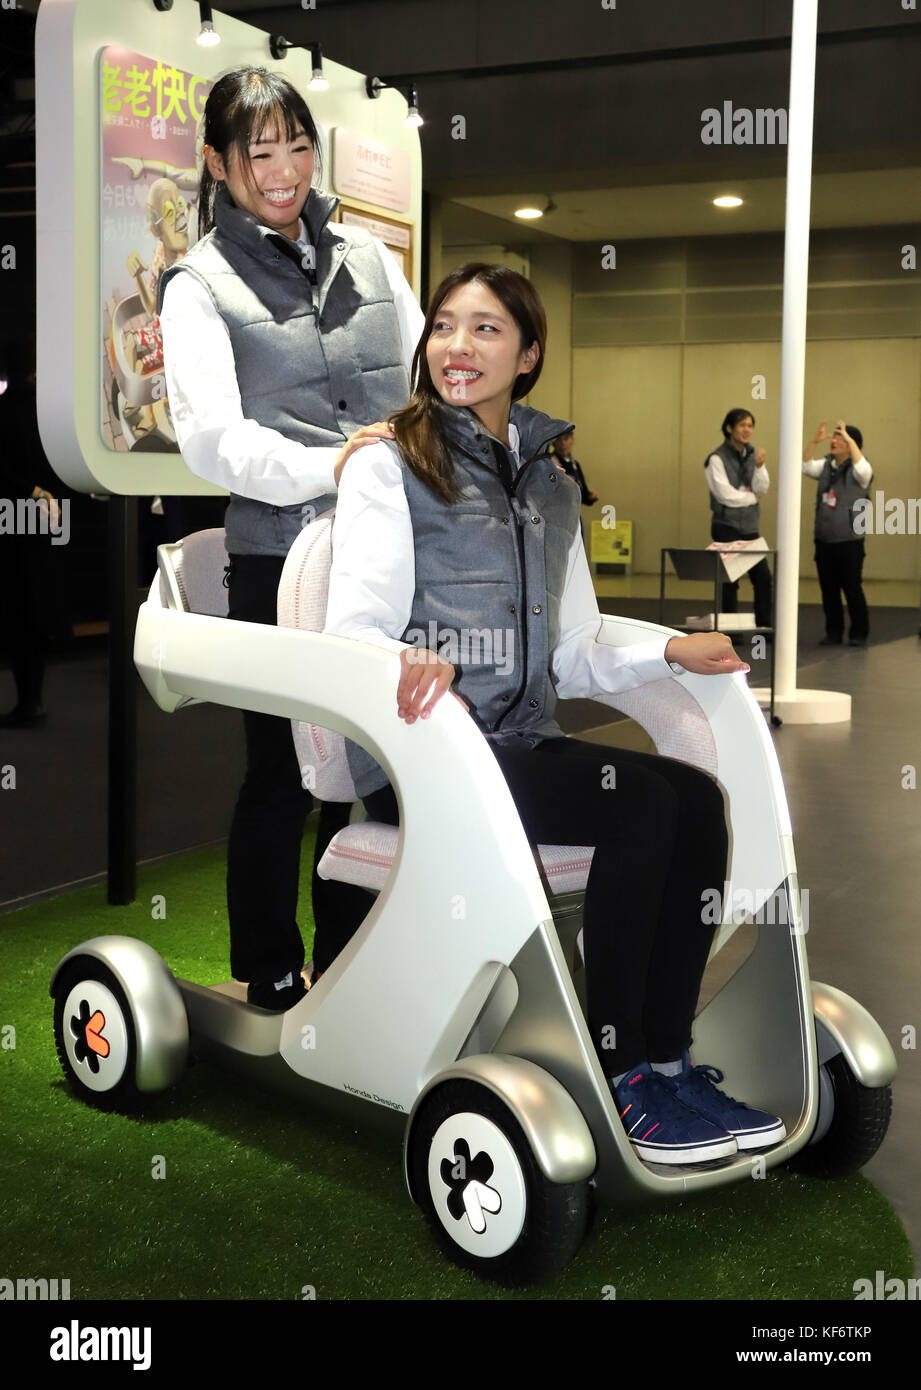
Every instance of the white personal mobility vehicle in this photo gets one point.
(456, 1006)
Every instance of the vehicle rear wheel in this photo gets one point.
(858, 1125)
(94, 1035)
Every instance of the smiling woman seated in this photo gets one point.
(464, 524)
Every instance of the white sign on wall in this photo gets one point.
(370, 170)
(396, 236)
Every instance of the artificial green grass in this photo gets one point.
(261, 1198)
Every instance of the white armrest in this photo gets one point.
(439, 904)
(716, 724)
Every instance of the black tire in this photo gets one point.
(123, 1094)
(858, 1127)
(556, 1215)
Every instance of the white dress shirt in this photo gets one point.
(861, 470)
(372, 584)
(731, 496)
(216, 440)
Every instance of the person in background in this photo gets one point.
(31, 609)
(562, 452)
(737, 478)
(844, 477)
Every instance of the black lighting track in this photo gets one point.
(652, 55)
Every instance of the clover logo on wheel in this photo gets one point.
(468, 1178)
(87, 1029)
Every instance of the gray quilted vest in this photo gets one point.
(313, 361)
(739, 473)
(490, 571)
(836, 523)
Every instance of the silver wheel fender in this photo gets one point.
(553, 1124)
(855, 1033)
(161, 1026)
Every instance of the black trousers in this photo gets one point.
(264, 848)
(32, 611)
(760, 576)
(840, 566)
(661, 845)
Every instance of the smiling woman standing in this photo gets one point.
(287, 341)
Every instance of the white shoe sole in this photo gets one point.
(764, 1138)
(700, 1153)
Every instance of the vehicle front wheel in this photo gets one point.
(491, 1207)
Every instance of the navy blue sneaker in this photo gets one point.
(661, 1128)
(697, 1087)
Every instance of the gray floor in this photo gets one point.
(857, 831)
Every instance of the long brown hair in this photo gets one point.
(419, 426)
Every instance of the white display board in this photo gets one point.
(118, 92)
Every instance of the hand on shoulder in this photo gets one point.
(368, 434)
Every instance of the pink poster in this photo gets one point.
(149, 115)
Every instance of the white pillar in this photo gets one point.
(806, 706)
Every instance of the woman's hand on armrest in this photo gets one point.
(424, 678)
(706, 653)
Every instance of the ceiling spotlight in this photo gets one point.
(728, 200)
(318, 82)
(207, 35)
(374, 86)
(413, 117)
(529, 212)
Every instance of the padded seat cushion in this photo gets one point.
(363, 855)
(197, 563)
(302, 595)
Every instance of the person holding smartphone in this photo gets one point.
(844, 477)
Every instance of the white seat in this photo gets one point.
(363, 854)
(191, 580)
(302, 596)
